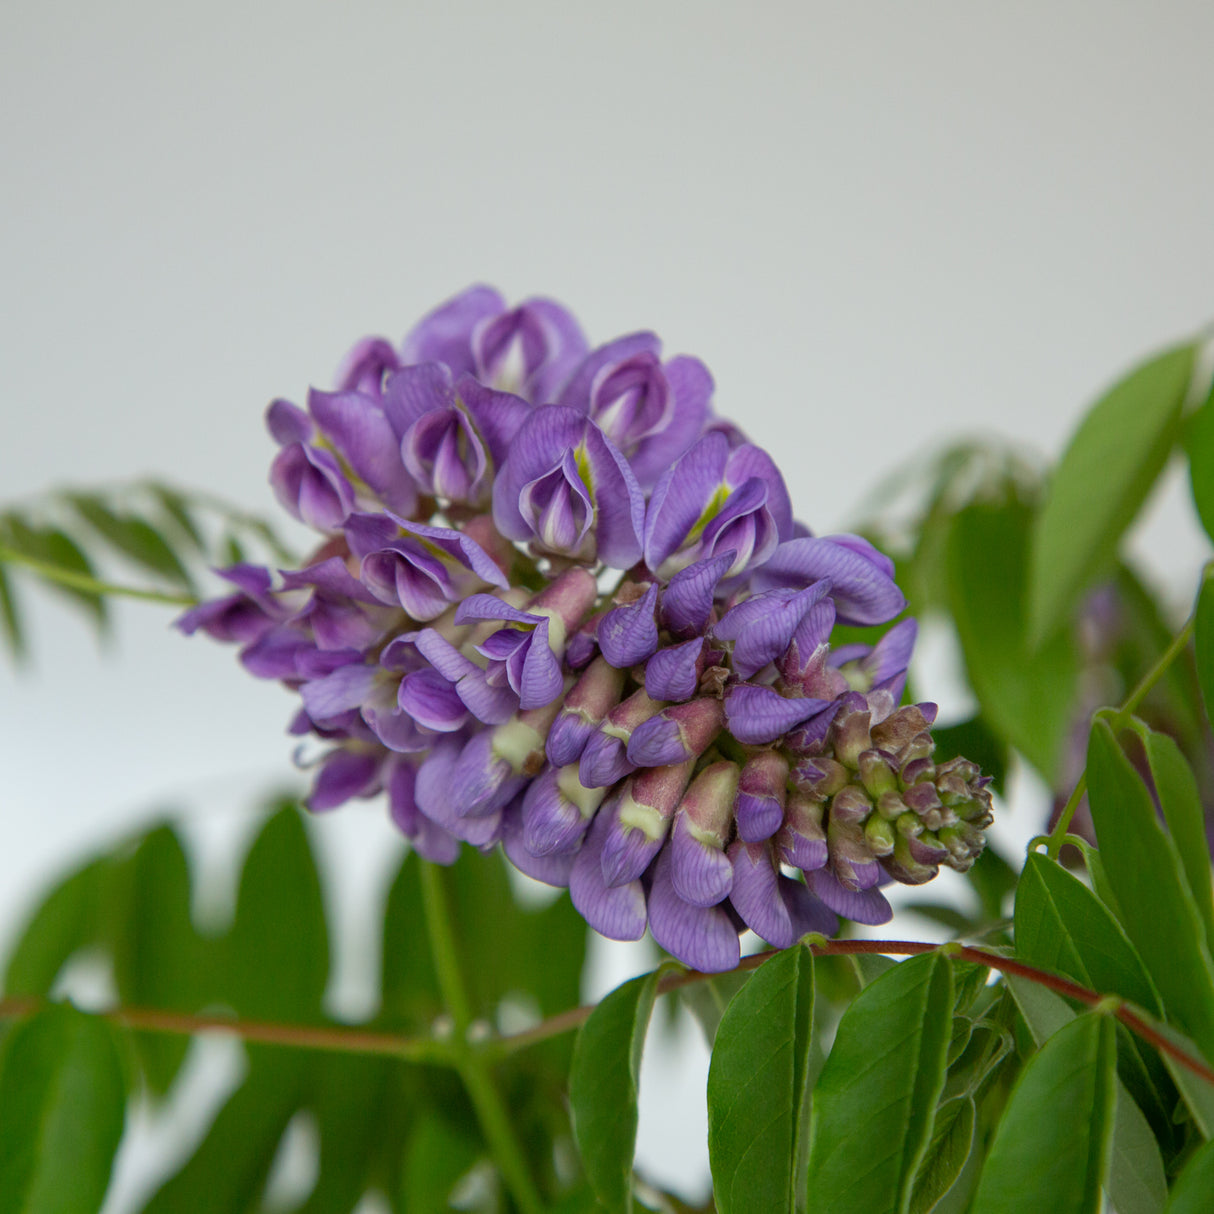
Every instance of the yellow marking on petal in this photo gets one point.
(586, 799)
(642, 817)
(516, 743)
(556, 628)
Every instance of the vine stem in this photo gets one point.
(1124, 711)
(471, 1063)
(445, 1051)
(91, 585)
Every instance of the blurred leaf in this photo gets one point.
(603, 1084)
(157, 958)
(1198, 1093)
(1200, 448)
(1159, 913)
(1063, 927)
(870, 966)
(10, 618)
(988, 1045)
(758, 1102)
(708, 999)
(348, 1094)
(1204, 640)
(227, 1172)
(993, 878)
(135, 538)
(1136, 1181)
(952, 1141)
(410, 993)
(438, 1156)
(62, 1107)
(174, 504)
(1104, 476)
(874, 1103)
(1031, 1166)
(278, 948)
(1183, 812)
(1026, 696)
(977, 741)
(54, 547)
(1195, 1184)
(68, 920)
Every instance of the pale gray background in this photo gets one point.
(879, 224)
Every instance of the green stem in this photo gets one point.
(89, 584)
(1124, 711)
(473, 1068)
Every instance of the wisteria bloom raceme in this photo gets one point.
(559, 604)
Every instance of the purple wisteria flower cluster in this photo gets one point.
(562, 606)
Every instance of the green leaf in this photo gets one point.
(51, 546)
(1180, 801)
(708, 999)
(410, 995)
(1200, 447)
(62, 1107)
(1204, 642)
(952, 1141)
(135, 538)
(174, 505)
(1198, 1094)
(157, 958)
(438, 1156)
(1062, 926)
(278, 948)
(10, 618)
(1027, 696)
(1032, 1166)
(1136, 1181)
(1145, 872)
(603, 1083)
(68, 920)
(228, 1171)
(1195, 1184)
(1104, 476)
(757, 1095)
(875, 1100)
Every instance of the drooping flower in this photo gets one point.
(560, 605)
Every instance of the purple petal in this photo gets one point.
(577, 392)
(435, 782)
(344, 774)
(681, 496)
(498, 415)
(701, 873)
(429, 839)
(701, 937)
(750, 461)
(629, 634)
(673, 673)
(618, 500)
(310, 485)
(688, 598)
(346, 688)
(538, 447)
(288, 423)
(364, 367)
(862, 591)
(617, 912)
(775, 908)
(358, 428)
(603, 761)
(542, 680)
(690, 386)
(551, 870)
(866, 906)
(759, 714)
(432, 701)
(445, 335)
(763, 626)
(552, 823)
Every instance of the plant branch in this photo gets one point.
(445, 1052)
(471, 1064)
(89, 584)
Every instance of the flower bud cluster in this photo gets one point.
(561, 607)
